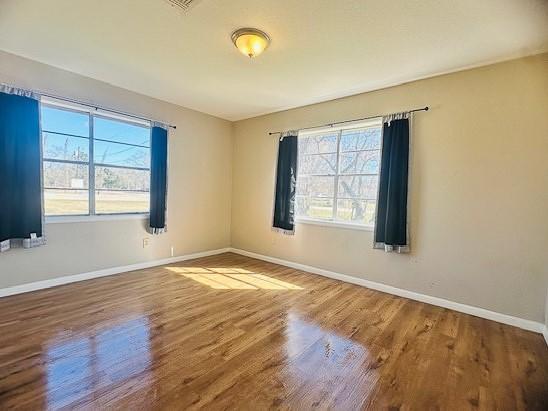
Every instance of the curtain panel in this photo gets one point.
(286, 183)
(158, 178)
(21, 210)
(391, 232)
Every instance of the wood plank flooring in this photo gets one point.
(230, 332)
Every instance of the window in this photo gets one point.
(93, 163)
(338, 174)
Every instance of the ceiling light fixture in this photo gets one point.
(250, 42)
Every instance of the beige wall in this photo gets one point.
(479, 189)
(546, 319)
(478, 193)
(200, 168)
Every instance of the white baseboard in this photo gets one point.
(39, 285)
(463, 308)
(468, 309)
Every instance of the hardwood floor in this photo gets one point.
(230, 332)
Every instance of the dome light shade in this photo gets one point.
(250, 42)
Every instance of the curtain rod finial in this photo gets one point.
(426, 108)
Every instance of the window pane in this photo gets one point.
(109, 202)
(358, 186)
(356, 211)
(110, 178)
(361, 139)
(320, 208)
(64, 121)
(66, 202)
(121, 154)
(313, 144)
(318, 164)
(61, 147)
(316, 186)
(120, 131)
(63, 175)
(360, 162)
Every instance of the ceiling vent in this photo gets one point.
(183, 5)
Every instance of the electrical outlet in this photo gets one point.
(172, 251)
(145, 242)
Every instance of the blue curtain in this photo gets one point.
(158, 180)
(391, 221)
(20, 171)
(286, 182)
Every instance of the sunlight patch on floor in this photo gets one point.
(231, 278)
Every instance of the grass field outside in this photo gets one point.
(343, 214)
(61, 202)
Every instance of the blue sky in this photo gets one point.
(77, 124)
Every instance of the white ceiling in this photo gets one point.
(320, 49)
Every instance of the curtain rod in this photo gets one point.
(96, 107)
(349, 121)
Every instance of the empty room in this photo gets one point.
(274, 204)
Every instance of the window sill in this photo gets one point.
(92, 218)
(336, 224)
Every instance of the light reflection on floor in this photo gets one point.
(320, 358)
(230, 278)
(85, 363)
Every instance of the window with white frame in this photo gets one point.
(338, 174)
(93, 163)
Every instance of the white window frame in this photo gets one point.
(92, 113)
(333, 222)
